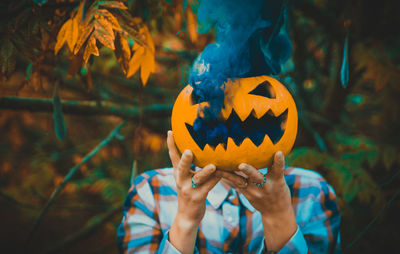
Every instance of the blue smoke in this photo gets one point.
(248, 43)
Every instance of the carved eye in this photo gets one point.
(264, 89)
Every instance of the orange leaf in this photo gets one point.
(105, 24)
(147, 67)
(136, 61)
(91, 49)
(73, 33)
(122, 52)
(79, 14)
(89, 17)
(191, 25)
(104, 36)
(62, 36)
(136, 46)
(149, 39)
(75, 28)
(85, 31)
(111, 19)
(113, 4)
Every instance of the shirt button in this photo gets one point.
(230, 219)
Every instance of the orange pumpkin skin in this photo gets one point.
(237, 97)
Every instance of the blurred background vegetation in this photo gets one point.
(87, 87)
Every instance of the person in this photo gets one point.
(281, 210)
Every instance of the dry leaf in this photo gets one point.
(79, 14)
(136, 61)
(85, 31)
(377, 68)
(112, 4)
(111, 19)
(147, 67)
(73, 33)
(91, 49)
(149, 40)
(62, 36)
(136, 46)
(89, 17)
(103, 36)
(105, 24)
(122, 52)
(143, 56)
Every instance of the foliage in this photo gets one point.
(79, 60)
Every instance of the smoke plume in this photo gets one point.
(248, 43)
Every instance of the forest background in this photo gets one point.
(87, 88)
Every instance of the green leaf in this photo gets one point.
(305, 157)
(28, 71)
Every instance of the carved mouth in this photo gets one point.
(256, 129)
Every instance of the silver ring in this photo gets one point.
(261, 184)
(245, 185)
(194, 185)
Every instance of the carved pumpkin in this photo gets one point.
(257, 105)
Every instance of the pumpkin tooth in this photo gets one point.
(208, 149)
(243, 113)
(220, 148)
(231, 147)
(259, 112)
(276, 111)
(248, 144)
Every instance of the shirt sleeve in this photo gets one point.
(320, 234)
(139, 231)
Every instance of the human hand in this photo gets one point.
(270, 195)
(191, 200)
(192, 190)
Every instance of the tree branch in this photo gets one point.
(68, 177)
(83, 107)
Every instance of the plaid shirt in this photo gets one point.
(230, 224)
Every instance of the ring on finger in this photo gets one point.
(245, 185)
(194, 185)
(261, 184)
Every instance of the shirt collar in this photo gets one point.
(220, 192)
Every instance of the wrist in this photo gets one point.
(279, 214)
(186, 224)
(278, 229)
(189, 215)
(182, 234)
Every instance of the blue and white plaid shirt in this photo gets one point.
(230, 224)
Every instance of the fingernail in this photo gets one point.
(242, 167)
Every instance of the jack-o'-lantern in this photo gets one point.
(261, 107)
